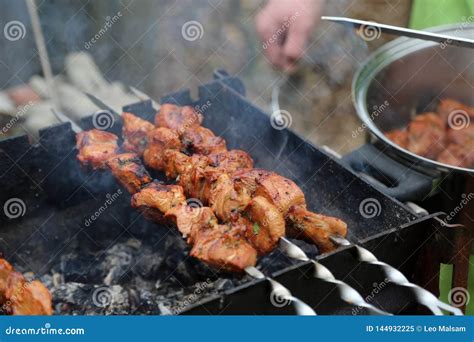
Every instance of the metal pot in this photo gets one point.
(402, 78)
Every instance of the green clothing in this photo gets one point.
(429, 13)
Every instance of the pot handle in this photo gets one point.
(388, 175)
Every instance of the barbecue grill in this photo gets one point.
(76, 231)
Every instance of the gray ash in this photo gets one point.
(119, 263)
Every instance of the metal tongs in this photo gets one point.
(363, 25)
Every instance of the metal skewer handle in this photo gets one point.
(347, 293)
(423, 296)
(280, 295)
(373, 27)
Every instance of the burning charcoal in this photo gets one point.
(118, 261)
(77, 298)
(147, 304)
(148, 263)
(80, 268)
(164, 310)
(223, 284)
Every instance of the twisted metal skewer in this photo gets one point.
(278, 290)
(281, 293)
(423, 296)
(346, 292)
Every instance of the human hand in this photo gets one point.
(284, 27)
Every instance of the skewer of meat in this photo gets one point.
(160, 202)
(226, 181)
(219, 245)
(213, 245)
(352, 296)
(21, 297)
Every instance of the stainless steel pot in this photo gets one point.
(405, 77)
(402, 78)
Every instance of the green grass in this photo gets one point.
(445, 284)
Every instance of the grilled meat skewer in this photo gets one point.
(229, 195)
(208, 175)
(224, 246)
(219, 187)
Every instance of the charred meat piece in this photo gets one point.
(20, 297)
(280, 191)
(159, 140)
(200, 140)
(177, 118)
(265, 225)
(155, 199)
(191, 219)
(129, 171)
(426, 135)
(399, 137)
(135, 131)
(95, 147)
(231, 161)
(225, 248)
(315, 228)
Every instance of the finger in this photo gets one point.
(271, 43)
(295, 44)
